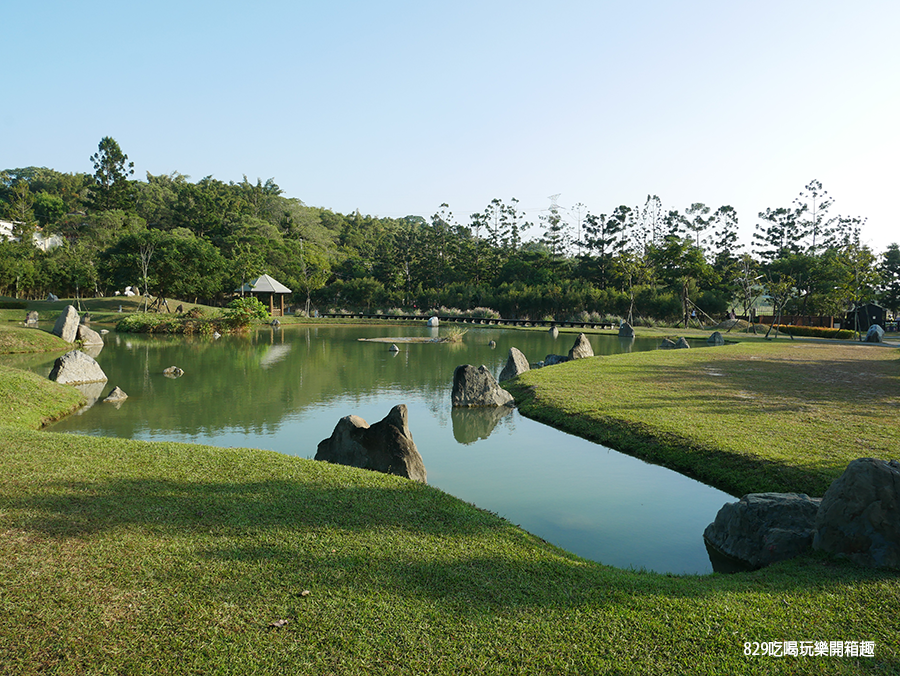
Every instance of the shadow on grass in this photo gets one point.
(411, 541)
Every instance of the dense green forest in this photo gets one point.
(200, 240)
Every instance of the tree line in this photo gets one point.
(202, 240)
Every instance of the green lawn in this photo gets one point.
(130, 557)
(751, 417)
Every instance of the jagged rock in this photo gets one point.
(31, 319)
(66, 326)
(667, 344)
(515, 364)
(554, 332)
(626, 330)
(387, 446)
(476, 387)
(433, 321)
(86, 318)
(553, 359)
(103, 332)
(715, 339)
(173, 372)
(762, 528)
(52, 298)
(275, 323)
(77, 367)
(492, 344)
(682, 344)
(582, 348)
(393, 348)
(875, 334)
(88, 336)
(860, 514)
(116, 395)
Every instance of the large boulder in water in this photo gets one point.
(77, 367)
(860, 514)
(626, 330)
(516, 363)
(66, 326)
(582, 348)
(433, 321)
(475, 386)
(715, 339)
(762, 528)
(88, 336)
(387, 446)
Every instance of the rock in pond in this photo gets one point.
(582, 348)
(860, 514)
(76, 367)
(173, 372)
(762, 528)
(66, 326)
(626, 330)
(554, 332)
(116, 395)
(475, 386)
(88, 336)
(387, 446)
(682, 344)
(515, 364)
(715, 339)
(31, 319)
(433, 321)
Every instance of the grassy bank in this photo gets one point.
(130, 557)
(751, 417)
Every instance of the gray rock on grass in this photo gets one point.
(582, 348)
(516, 364)
(387, 446)
(860, 514)
(66, 326)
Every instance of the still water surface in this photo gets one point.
(285, 389)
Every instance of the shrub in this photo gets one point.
(242, 311)
(815, 332)
(12, 305)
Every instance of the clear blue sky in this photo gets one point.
(394, 107)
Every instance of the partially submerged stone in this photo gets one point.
(582, 348)
(116, 395)
(387, 446)
(77, 367)
(66, 326)
(516, 364)
(682, 344)
(762, 528)
(433, 321)
(88, 336)
(626, 330)
(475, 386)
(173, 372)
(554, 332)
(31, 319)
(715, 339)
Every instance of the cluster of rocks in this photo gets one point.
(387, 446)
(858, 517)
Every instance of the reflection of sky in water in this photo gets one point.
(590, 500)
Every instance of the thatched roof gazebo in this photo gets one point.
(266, 285)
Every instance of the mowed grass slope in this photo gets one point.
(130, 557)
(749, 417)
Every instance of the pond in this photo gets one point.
(285, 389)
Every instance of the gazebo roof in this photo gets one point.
(264, 284)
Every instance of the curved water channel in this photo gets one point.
(285, 389)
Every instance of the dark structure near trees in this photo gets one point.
(864, 316)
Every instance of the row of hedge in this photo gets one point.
(815, 332)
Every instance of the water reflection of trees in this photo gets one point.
(250, 383)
